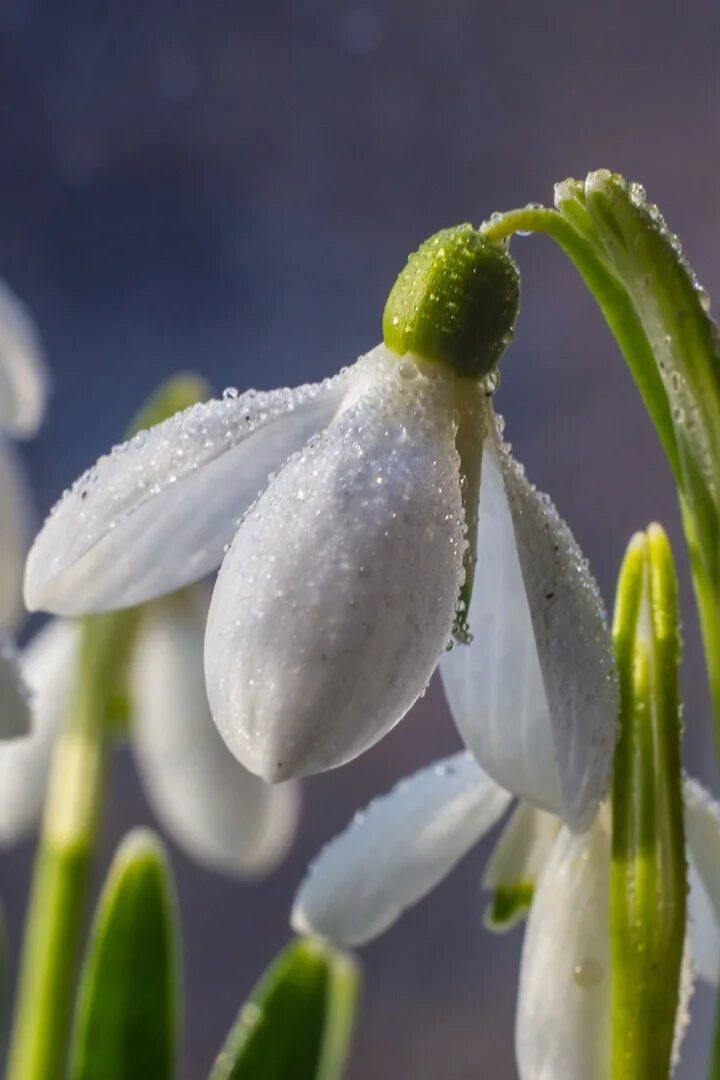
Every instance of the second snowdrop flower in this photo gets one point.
(23, 388)
(217, 812)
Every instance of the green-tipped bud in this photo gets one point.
(175, 394)
(455, 302)
(648, 875)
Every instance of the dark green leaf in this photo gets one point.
(298, 1021)
(126, 1023)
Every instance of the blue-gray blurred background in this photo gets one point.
(231, 187)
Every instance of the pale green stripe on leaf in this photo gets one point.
(648, 871)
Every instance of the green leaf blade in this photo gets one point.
(126, 1021)
(298, 1020)
(648, 872)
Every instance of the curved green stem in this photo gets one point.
(615, 304)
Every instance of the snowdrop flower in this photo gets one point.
(358, 523)
(218, 812)
(22, 402)
(406, 842)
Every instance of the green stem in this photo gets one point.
(616, 306)
(714, 1070)
(66, 848)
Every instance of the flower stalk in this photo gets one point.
(648, 870)
(66, 848)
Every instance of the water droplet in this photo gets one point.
(588, 973)
(637, 194)
(703, 297)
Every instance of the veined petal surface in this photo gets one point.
(159, 510)
(15, 516)
(397, 850)
(48, 667)
(217, 811)
(563, 1013)
(518, 859)
(534, 694)
(494, 685)
(338, 594)
(23, 378)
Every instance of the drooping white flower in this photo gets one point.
(218, 813)
(23, 386)
(401, 847)
(346, 509)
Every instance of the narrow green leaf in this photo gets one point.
(648, 872)
(298, 1021)
(674, 311)
(126, 1022)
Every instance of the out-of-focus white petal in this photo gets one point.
(563, 1014)
(515, 865)
(702, 827)
(221, 814)
(15, 516)
(23, 378)
(534, 694)
(14, 696)
(338, 594)
(48, 666)
(159, 511)
(397, 850)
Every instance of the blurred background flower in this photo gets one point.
(231, 188)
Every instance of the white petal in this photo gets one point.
(23, 379)
(48, 666)
(14, 696)
(515, 865)
(15, 515)
(221, 814)
(159, 511)
(534, 694)
(702, 827)
(494, 686)
(397, 850)
(563, 1013)
(338, 594)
